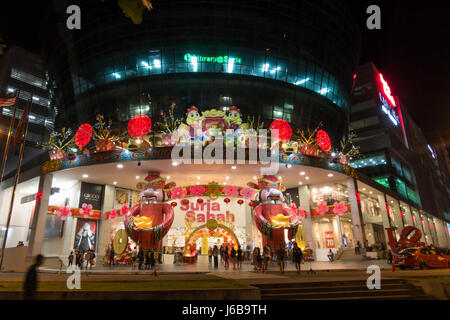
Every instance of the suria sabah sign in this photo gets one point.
(388, 104)
(218, 59)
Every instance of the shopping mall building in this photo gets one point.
(287, 65)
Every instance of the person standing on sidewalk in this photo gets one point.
(233, 257)
(267, 256)
(210, 254)
(31, 279)
(357, 248)
(133, 258)
(140, 258)
(111, 257)
(216, 257)
(297, 257)
(226, 258)
(70, 258)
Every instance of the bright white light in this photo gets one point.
(198, 178)
(85, 176)
(300, 183)
(137, 177)
(145, 64)
(333, 154)
(31, 117)
(228, 178)
(115, 182)
(274, 70)
(302, 81)
(138, 141)
(11, 90)
(324, 90)
(289, 166)
(234, 167)
(194, 63)
(302, 173)
(174, 164)
(168, 177)
(157, 63)
(280, 177)
(36, 98)
(120, 166)
(230, 65)
(330, 175)
(116, 75)
(265, 67)
(254, 177)
(307, 178)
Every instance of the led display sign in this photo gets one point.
(218, 59)
(389, 111)
(387, 91)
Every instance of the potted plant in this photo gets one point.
(104, 139)
(168, 128)
(58, 143)
(348, 149)
(308, 143)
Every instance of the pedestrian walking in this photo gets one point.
(330, 255)
(221, 252)
(31, 279)
(81, 259)
(280, 254)
(297, 257)
(133, 258)
(111, 257)
(216, 257)
(141, 258)
(87, 258)
(357, 248)
(77, 258)
(240, 256)
(256, 256)
(226, 258)
(210, 254)
(267, 256)
(70, 258)
(92, 263)
(233, 255)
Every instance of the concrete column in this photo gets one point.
(384, 215)
(357, 219)
(303, 197)
(39, 217)
(407, 216)
(339, 229)
(442, 239)
(105, 224)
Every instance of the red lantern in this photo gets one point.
(83, 135)
(139, 126)
(211, 233)
(323, 140)
(251, 204)
(240, 202)
(185, 202)
(226, 200)
(173, 204)
(200, 200)
(284, 129)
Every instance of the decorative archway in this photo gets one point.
(211, 225)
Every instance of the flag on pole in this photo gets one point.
(19, 136)
(6, 102)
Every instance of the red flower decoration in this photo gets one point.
(83, 135)
(185, 202)
(197, 191)
(284, 129)
(124, 210)
(226, 200)
(231, 191)
(178, 193)
(340, 208)
(86, 210)
(240, 202)
(64, 212)
(139, 126)
(38, 196)
(248, 194)
(322, 208)
(173, 204)
(302, 213)
(323, 140)
(113, 214)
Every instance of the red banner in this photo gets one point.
(93, 214)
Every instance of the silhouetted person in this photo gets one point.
(30, 283)
(216, 258)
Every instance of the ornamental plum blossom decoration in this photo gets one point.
(112, 214)
(302, 213)
(197, 191)
(86, 210)
(248, 194)
(124, 210)
(231, 191)
(178, 193)
(64, 212)
(340, 208)
(322, 208)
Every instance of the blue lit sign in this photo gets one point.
(389, 111)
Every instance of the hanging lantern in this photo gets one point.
(240, 202)
(284, 129)
(251, 204)
(226, 200)
(185, 202)
(139, 126)
(173, 204)
(199, 200)
(323, 140)
(83, 135)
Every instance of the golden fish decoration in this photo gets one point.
(280, 220)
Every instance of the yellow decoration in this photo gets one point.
(120, 241)
(143, 222)
(211, 224)
(280, 220)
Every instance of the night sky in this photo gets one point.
(412, 50)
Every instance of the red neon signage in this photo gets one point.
(387, 91)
